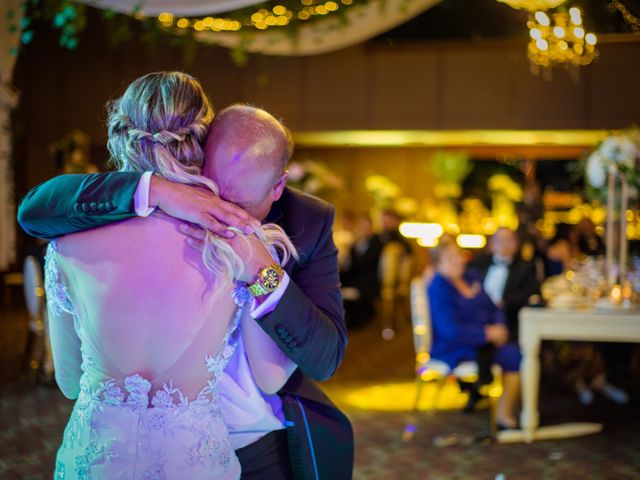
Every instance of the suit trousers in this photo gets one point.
(266, 459)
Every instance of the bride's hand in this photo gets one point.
(199, 206)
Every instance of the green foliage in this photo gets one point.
(451, 167)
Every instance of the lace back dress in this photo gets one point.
(119, 430)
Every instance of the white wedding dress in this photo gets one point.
(132, 427)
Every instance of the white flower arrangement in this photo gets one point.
(619, 152)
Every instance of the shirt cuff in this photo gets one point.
(141, 197)
(271, 302)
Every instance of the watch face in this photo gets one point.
(270, 278)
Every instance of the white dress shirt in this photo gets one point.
(496, 278)
(248, 413)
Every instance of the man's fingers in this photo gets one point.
(193, 231)
(234, 216)
(195, 243)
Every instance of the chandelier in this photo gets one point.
(559, 39)
(533, 5)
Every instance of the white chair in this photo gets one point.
(429, 370)
(38, 351)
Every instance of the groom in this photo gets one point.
(303, 313)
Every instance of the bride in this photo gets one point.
(142, 326)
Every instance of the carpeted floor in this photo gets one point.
(374, 387)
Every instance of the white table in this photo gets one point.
(537, 324)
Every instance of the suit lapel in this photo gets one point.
(275, 214)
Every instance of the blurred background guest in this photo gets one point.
(71, 154)
(507, 279)
(589, 242)
(396, 269)
(359, 276)
(562, 250)
(465, 320)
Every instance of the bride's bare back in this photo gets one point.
(146, 303)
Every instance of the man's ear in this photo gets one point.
(276, 193)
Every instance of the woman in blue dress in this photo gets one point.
(465, 320)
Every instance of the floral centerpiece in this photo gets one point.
(616, 161)
(618, 153)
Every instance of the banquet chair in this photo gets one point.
(395, 271)
(430, 370)
(38, 351)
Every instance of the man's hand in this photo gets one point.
(496, 334)
(249, 248)
(200, 206)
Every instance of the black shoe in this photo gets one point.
(474, 397)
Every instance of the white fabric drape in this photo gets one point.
(189, 8)
(9, 42)
(325, 35)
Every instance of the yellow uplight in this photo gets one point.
(279, 10)
(471, 241)
(270, 20)
(165, 17)
(282, 20)
(420, 230)
(183, 23)
(542, 19)
(256, 17)
(321, 10)
(199, 25)
(302, 15)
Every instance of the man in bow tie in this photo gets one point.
(508, 279)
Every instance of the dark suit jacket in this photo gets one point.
(362, 271)
(307, 324)
(521, 284)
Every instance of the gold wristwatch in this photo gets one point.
(268, 280)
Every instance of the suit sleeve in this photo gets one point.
(308, 321)
(73, 203)
(519, 296)
(447, 325)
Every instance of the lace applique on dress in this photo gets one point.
(174, 437)
(57, 294)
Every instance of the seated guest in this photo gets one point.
(589, 242)
(465, 320)
(360, 273)
(507, 278)
(562, 251)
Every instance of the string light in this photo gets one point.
(280, 15)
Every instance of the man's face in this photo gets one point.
(245, 179)
(504, 243)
